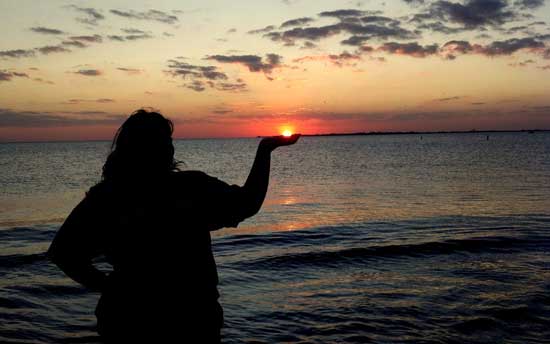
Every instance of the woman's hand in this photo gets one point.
(272, 142)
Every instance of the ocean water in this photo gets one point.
(443, 238)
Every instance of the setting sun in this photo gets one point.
(287, 133)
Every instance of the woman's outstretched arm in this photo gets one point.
(255, 188)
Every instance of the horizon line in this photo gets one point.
(360, 133)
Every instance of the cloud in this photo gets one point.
(137, 37)
(132, 35)
(448, 99)
(339, 60)
(91, 15)
(116, 38)
(185, 70)
(361, 29)
(51, 49)
(410, 49)
(131, 71)
(80, 101)
(297, 22)
(263, 30)
(238, 86)
(17, 53)
(151, 15)
(75, 44)
(8, 76)
(132, 31)
(222, 111)
(496, 48)
(522, 63)
(471, 14)
(342, 14)
(88, 39)
(46, 31)
(195, 85)
(199, 77)
(254, 63)
(89, 72)
(43, 81)
(509, 46)
(529, 4)
(34, 119)
(439, 27)
(80, 41)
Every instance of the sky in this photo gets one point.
(74, 70)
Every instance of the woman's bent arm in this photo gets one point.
(74, 247)
(256, 185)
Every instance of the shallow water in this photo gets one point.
(362, 239)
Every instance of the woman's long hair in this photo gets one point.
(142, 148)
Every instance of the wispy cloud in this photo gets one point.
(343, 59)
(447, 99)
(52, 49)
(198, 78)
(35, 119)
(8, 76)
(89, 72)
(17, 53)
(47, 31)
(76, 101)
(91, 16)
(151, 15)
(130, 71)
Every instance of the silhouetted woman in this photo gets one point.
(152, 223)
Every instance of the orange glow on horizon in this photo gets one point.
(287, 133)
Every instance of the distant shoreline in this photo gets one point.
(369, 133)
(363, 133)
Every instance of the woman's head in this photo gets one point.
(142, 147)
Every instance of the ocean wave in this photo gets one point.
(360, 254)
